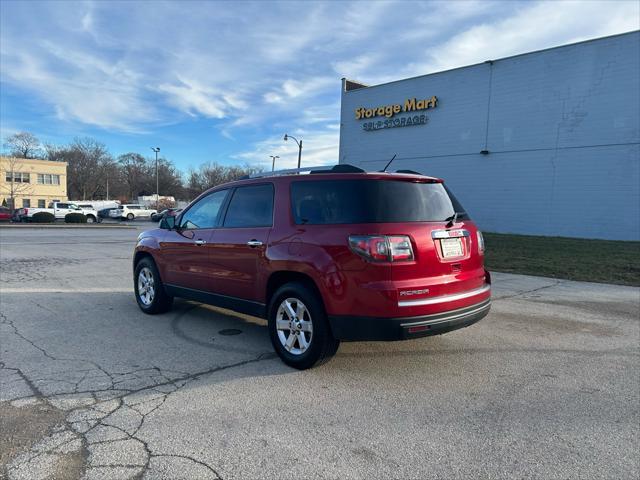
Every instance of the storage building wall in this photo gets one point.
(562, 128)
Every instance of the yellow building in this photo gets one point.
(32, 182)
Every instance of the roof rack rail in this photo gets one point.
(342, 168)
(289, 171)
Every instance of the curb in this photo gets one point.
(44, 225)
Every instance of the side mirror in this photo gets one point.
(168, 223)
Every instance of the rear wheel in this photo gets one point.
(91, 219)
(299, 328)
(149, 290)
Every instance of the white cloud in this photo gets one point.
(291, 89)
(534, 27)
(257, 70)
(194, 100)
(319, 147)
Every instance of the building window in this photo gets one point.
(26, 203)
(42, 203)
(17, 177)
(48, 179)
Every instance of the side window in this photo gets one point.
(250, 206)
(63, 205)
(204, 213)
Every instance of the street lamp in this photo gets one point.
(156, 150)
(273, 161)
(287, 137)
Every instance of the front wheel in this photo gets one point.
(91, 219)
(130, 216)
(150, 293)
(299, 328)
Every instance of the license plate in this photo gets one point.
(451, 247)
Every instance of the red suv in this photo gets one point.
(337, 254)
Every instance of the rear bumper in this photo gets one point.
(351, 328)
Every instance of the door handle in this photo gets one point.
(254, 243)
(200, 242)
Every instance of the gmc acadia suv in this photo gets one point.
(337, 254)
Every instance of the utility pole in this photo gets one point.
(273, 161)
(299, 143)
(156, 150)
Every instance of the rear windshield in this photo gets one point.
(325, 202)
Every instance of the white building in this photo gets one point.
(544, 143)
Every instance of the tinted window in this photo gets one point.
(63, 205)
(250, 207)
(204, 213)
(371, 201)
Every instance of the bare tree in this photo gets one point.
(135, 171)
(18, 181)
(23, 145)
(54, 153)
(170, 178)
(212, 174)
(86, 158)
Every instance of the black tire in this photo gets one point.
(160, 301)
(91, 219)
(130, 216)
(322, 344)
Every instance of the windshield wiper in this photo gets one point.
(452, 219)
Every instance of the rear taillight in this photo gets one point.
(480, 242)
(382, 248)
(26, 210)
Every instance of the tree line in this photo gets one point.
(93, 173)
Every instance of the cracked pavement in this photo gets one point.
(546, 386)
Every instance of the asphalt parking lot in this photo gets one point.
(546, 386)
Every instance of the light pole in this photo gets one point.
(156, 150)
(299, 143)
(273, 161)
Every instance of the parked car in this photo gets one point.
(156, 217)
(131, 211)
(59, 210)
(327, 257)
(104, 213)
(5, 214)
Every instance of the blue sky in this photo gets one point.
(223, 81)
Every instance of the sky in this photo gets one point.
(223, 82)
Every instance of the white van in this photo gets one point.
(129, 211)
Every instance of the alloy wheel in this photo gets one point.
(294, 326)
(146, 286)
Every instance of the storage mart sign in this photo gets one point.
(390, 111)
